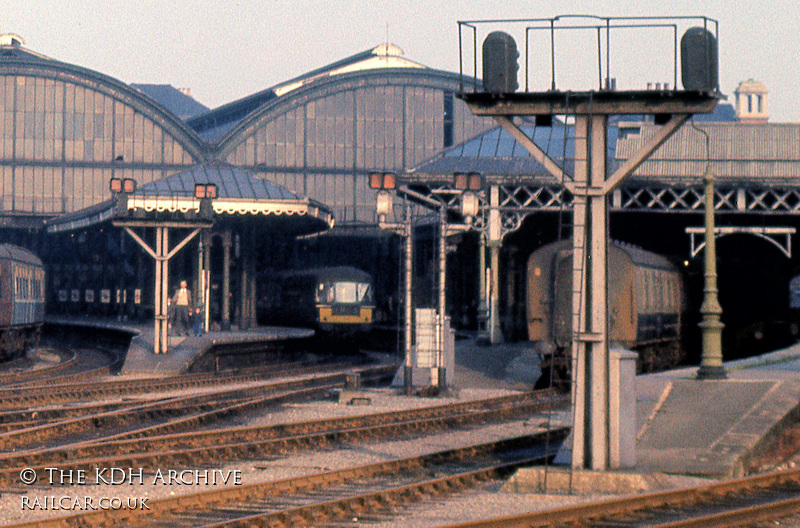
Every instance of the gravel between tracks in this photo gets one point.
(479, 503)
(25, 504)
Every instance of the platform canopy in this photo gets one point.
(238, 193)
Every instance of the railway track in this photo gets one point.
(768, 498)
(51, 393)
(179, 413)
(330, 495)
(145, 424)
(150, 412)
(220, 446)
(61, 365)
(23, 369)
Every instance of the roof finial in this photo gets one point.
(11, 39)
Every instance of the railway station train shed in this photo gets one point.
(69, 130)
(756, 165)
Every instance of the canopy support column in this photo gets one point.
(161, 254)
(227, 242)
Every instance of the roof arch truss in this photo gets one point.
(780, 237)
(516, 200)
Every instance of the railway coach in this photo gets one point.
(645, 305)
(335, 300)
(22, 284)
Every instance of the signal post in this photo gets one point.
(463, 190)
(590, 183)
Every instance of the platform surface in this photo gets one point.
(182, 351)
(685, 426)
(716, 428)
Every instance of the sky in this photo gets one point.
(225, 49)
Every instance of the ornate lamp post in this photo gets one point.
(711, 363)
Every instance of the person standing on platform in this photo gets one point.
(197, 321)
(181, 301)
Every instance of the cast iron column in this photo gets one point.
(226, 279)
(161, 339)
(483, 310)
(711, 363)
(494, 243)
(439, 374)
(408, 302)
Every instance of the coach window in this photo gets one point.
(647, 291)
(659, 284)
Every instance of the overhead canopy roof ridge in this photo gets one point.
(768, 153)
(238, 193)
(495, 153)
(12, 45)
(232, 183)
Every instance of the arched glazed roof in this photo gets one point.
(16, 60)
(417, 77)
(323, 137)
(214, 125)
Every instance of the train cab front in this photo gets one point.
(345, 307)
